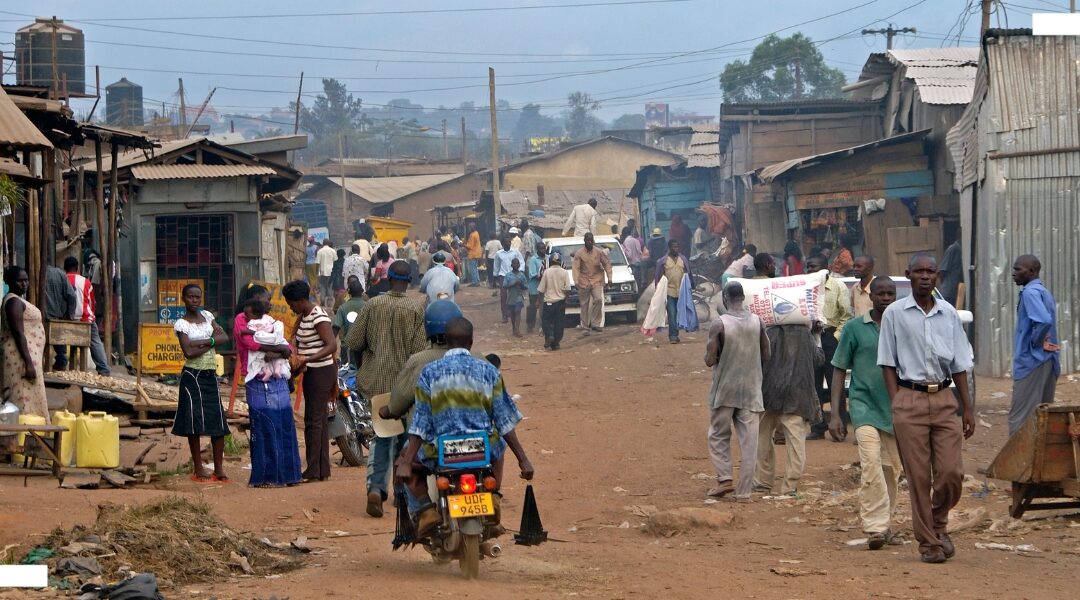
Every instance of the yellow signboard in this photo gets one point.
(279, 309)
(159, 350)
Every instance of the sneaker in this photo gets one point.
(374, 505)
(934, 556)
(762, 489)
(876, 541)
(947, 547)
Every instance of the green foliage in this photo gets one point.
(11, 195)
(581, 123)
(770, 74)
(533, 124)
(334, 111)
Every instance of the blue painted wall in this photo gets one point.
(662, 199)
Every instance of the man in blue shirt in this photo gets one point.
(1035, 346)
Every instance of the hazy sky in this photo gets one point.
(661, 51)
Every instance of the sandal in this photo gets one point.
(202, 480)
(220, 479)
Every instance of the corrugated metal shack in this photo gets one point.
(756, 135)
(662, 191)
(924, 88)
(1017, 150)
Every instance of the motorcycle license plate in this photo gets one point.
(471, 505)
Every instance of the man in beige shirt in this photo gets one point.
(554, 285)
(590, 267)
(860, 292)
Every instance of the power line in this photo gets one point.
(389, 12)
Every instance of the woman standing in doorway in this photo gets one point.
(23, 344)
(199, 411)
(316, 347)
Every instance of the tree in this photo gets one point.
(781, 69)
(335, 111)
(629, 121)
(272, 132)
(580, 121)
(533, 124)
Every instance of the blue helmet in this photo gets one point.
(437, 315)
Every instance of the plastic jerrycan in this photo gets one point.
(66, 451)
(97, 441)
(26, 420)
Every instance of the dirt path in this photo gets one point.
(612, 424)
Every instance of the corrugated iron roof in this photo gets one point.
(380, 190)
(559, 203)
(704, 148)
(943, 75)
(152, 172)
(773, 171)
(17, 130)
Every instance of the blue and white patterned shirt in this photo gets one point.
(460, 394)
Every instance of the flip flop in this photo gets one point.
(202, 480)
(217, 479)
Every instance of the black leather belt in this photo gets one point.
(929, 388)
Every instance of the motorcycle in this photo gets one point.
(350, 425)
(466, 503)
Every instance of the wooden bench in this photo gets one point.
(37, 432)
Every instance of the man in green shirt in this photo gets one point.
(871, 414)
(341, 317)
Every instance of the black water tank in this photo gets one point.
(124, 104)
(34, 55)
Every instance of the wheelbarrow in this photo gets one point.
(1042, 460)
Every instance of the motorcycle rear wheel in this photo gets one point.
(349, 444)
(470, 556)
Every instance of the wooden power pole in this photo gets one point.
(464, 147)
(494, 148)
(445, 149)
(986, 5)
(889, 32)
(299, 92)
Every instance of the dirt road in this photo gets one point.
(616, 428)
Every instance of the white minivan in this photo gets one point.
(621, 295)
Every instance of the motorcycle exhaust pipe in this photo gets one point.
(491, 549)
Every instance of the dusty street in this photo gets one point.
(612, 424)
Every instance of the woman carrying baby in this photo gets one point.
(275, 454)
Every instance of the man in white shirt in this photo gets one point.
(325, 258)
(515, 240)
(439, 283)
(583, 219)
(503, 259)
(490, 250)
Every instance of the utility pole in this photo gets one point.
(445, 150)
(986, 5)
(464, 156)
(494, 148)
(55, 66)
(344, 193)
(296, 120)
(890, 32)
(183, 108)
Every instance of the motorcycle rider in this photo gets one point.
(458, 394)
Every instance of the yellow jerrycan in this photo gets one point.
(26, 420)
(66, 451)
(97, 441)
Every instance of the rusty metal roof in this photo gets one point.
(152, 172)
(17, 130)
(773, 171)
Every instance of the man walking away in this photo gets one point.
(738, 347)
(871, 414)
(922, 351)
(84, 311)
(554, 285)
(1035, 346)
(951, 272)
(657, 248)
(439, 283)
(590, 266)
(583, 219)
(311, 267)
(341, 322)
(60, 303)
(634, 251)
(673, 266)
(529, 239)
(837, 311)
(534, 268)
(389, 329)
(410, 254)
(790, 402)
(472, 260)
(491, 249)
(503, 259)
(860, 292)
(325, 258)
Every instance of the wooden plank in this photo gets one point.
(21, 428)
(905, 242)
(131, 432)
(23, 472)
(68, 333)
(116, 478)
(132, 453)
(81, 480)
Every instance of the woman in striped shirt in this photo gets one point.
(316, 347)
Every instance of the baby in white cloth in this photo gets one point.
(267, 331)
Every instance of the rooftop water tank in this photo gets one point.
(124, 104)
(34, 50)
